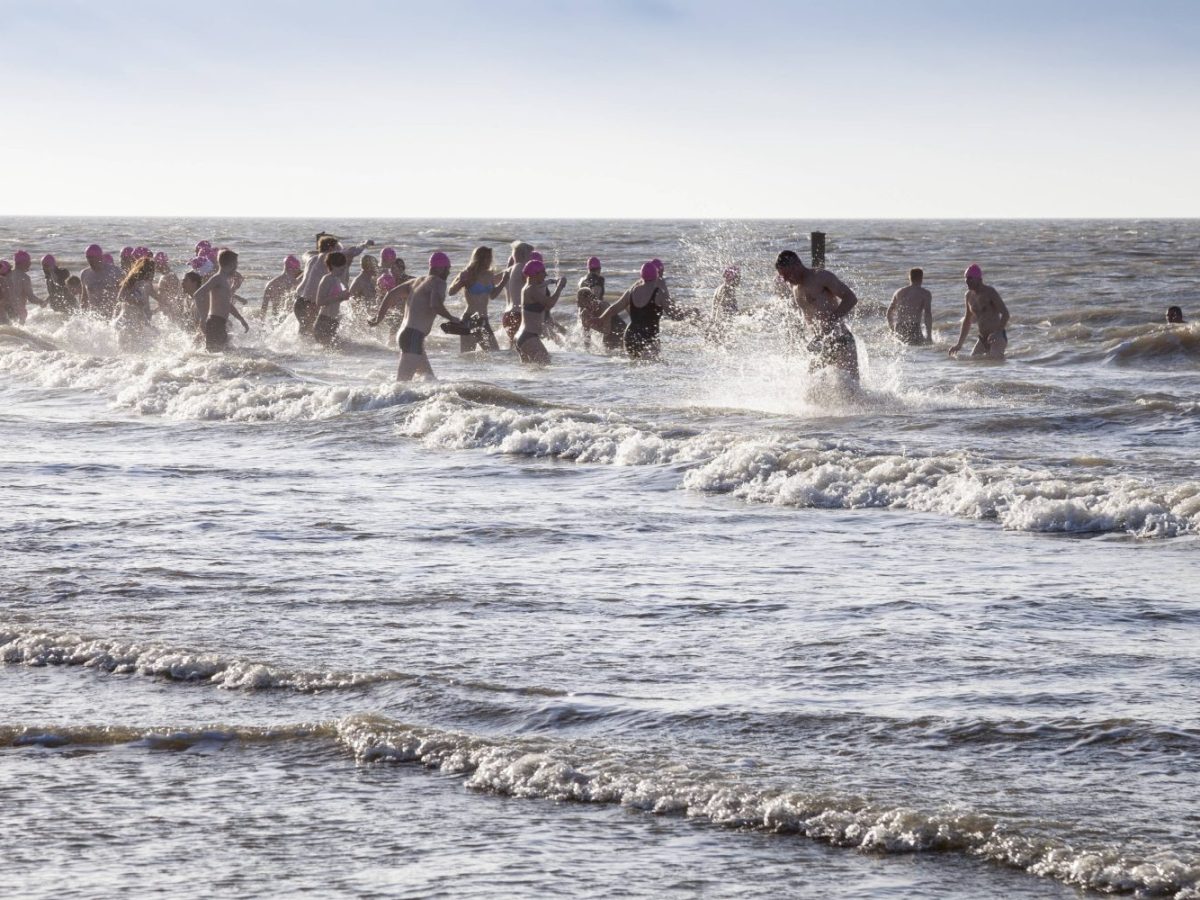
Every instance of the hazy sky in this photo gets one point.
(624, 108)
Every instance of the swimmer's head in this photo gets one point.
(369, 264)
(481, 258)
(399, 266)
(733, 275)
(108, 260)
(227, 260)
(161, 262)
(49, 262)
(203, 247)
(1174, 315)
(916, 276)
(439, 264)
(291, 265)
(533, 268)
(521, 252)
(594, 264)
(22, 260)
(190, 282)
(386, 282)
(387, 256)
(93, 252)
(973, 275)
(335, 260)
(126, 255)
(649, 271)
(327, 244)
(74, 285)
(142, 253)
(5, 267)
(789, 267)
(658, 264)
(585, 295)
(538, 256)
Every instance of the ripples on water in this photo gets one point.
(269, 612)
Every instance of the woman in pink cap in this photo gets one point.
(646, 301)
(280, 288)
(536, 303)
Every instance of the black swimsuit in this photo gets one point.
(641, 337)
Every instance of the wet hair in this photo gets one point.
(140, 270)
(1174, 315)
(367, 261)
(74, 281)
(585, 295)
(916, 276)
(786, 260)
(226, 256)
(327, 244)
(191, 278)
(335, 260)
(480, 262)
(62, 274)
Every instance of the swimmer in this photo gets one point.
(168, 292)
(511, 320)
(331, 292)
(983, 306)
(21, 285)
(426, 301)
(536, 303)
(280, 288)
(362, 288)
(100, 280)
(58, 298)
(824, 302)
(214, 303)
(8, 310)
(482, 286)
(126, 260)
(132, 317)
(75, 289)
(912, 308)
(725, 302)
(1174, 315)
(315, 269)
(590, 311)
(646, 301)
(392, 300)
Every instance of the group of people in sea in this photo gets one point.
(313, 286)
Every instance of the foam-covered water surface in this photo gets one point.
(716, 626)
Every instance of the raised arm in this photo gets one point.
(553, 298)
(501, 285)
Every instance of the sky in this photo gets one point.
(617, 109)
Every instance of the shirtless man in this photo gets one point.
(280, 287)
(100, 280)
(536, 303)
(314, 270)
(58, 298)
(214, 302)
(511, 320)
(21, 286)
(912, 306)
(8, 311)
(984, 307)
(427, 300)
(824, 302)
(363, 286)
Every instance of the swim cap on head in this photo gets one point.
(202, 247)
(973, 271)
(439, 260)
(49, 262)
(22, 258)
(291, 264)
(142, 253)
(93, 251)
(733, 273)
(160, 258)
(388, 255)
(126, 253)
(108, 259)
(387, 281)
(211, 254)
(536, 254)
(534, 267)
(593, 263)
(203, 265)
(649, 271)
(5, 267)
(658, 264)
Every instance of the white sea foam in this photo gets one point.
(538, 770)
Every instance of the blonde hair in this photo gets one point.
(141, 269)
(480, 262)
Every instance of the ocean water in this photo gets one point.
(273, 623)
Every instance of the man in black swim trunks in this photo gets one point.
(824, 302)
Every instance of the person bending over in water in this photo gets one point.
(214, 302)
(824, 302)
(427, 300)
(646, 301)
(482, 286)
(912, 307)
(279, 288)
(984, 307)
(1174, 315)
(536, 303)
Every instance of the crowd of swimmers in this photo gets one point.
(312, 287)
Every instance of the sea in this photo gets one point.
(718, 626)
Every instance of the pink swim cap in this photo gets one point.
(594, 262)
(658, 264)
(126, 253)
(161, 258)
(22, 258)
(108, 259)
(733, 273)
(387, 255)
(202, 247)
(534, 254)
(5, 267)
(649, 271)
(973, 271)
(387, 281)
(199, 262)
(211, 254)
(291, 264)
(439, 260)
(534, 267)
(142, 253)
(93, 251)
(49, 262)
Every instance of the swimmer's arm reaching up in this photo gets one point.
(551, 299)
(968, 318)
